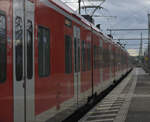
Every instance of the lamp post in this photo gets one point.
(149, 37)
(79, 1)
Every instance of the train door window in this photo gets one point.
(43, 51)
(19, 48)
(30, 50)
(83, 56)
(78, 55)
(3, 48)
(68, 54)
(75, 55)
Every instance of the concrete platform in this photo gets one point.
(128, 102)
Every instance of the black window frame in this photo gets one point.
(4, 70)
(40, 65)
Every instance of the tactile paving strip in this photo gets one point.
(106, 112)
(108, 108)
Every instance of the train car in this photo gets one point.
(146, 64)
(52, 61)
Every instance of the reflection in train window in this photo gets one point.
(3, 50)
(44, 51)
(19, 48)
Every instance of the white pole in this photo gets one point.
(149, 37)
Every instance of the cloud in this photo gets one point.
(130, 14)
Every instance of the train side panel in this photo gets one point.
(6, 71)
(55, 91)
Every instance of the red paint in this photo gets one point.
(6, 90)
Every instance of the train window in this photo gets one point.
(68, 54)
(89, 56)
(30, 50)
(106, 58)
(43, 51)
(3, 50)
(101, 54)
(19, 48)
(68, 22)
(83, 56)
(114, 58)
(77, 54)
(95, 56)
(109, 58)
(100, 57)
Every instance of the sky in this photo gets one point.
(127, 14)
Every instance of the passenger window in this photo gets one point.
(3, 48)
(44, 51)
(95, 56)
(30, 50)
(68, 54)
(19, 48)
(68, 22)
(89, 56)
(83, 56)
(105, 58)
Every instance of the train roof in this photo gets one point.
(64, 6)
(71, 11)
(82, 19)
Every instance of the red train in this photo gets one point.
(51, 61)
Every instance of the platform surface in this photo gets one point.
(128, 102)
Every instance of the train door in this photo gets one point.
(77, 64)
(23, 68)
(110, 63)
(101, 62)
(29, 59)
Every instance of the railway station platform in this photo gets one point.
(128, 102)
